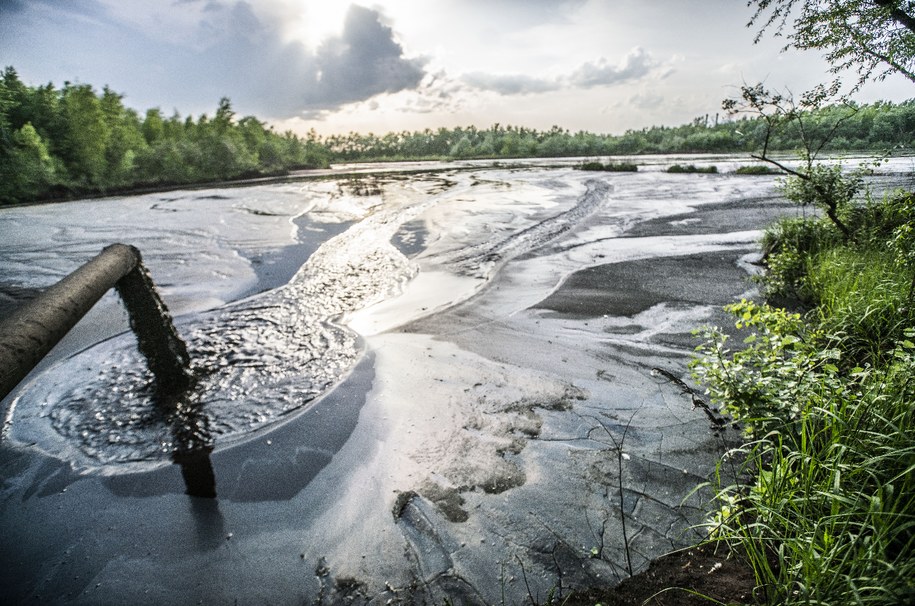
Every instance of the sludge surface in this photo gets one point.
(254, 362)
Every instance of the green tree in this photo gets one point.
(874, 37)
(85, 136)
(27, 169)
(153, 126)
(125, 139)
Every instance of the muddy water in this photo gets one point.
(413, 390)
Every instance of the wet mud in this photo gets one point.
(451, 397)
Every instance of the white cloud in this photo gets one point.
(636, 65)
(511, 84)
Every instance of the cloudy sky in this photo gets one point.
(336, 65)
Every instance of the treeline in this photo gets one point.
(75, 141)
(878, 126)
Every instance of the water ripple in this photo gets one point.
(254, 362)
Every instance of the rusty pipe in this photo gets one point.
(31, 331)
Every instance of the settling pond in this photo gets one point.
(416, 385)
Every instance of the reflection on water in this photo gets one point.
(209, 523)
(193, 443)
(197, 472)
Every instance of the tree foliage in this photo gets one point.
(75, 141)
(842, 127)
(81, 142)
(873, 37)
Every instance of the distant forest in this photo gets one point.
(74, 141)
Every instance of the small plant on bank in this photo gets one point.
(613, 167)
(830, 516)
(786, 246)
(902, 240)
(756, 169)
(692, 168)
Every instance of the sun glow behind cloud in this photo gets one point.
(312, 23)
(385, 65)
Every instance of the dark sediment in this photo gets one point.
(631, 287)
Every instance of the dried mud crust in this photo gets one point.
(687, 577)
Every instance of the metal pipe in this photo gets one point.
(31, 331)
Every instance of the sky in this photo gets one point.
(336, 66)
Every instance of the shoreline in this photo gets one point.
(398, 166)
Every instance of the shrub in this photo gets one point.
(692, 168)
(786, 247)
(861, 301)
(617, 167)
(759, 382)
(756, 169)
(830, 515)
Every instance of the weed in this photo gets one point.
(692, 168)
(830, 517)
(614, 167)
(756, 169)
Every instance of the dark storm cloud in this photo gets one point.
(12, 8)
(365, 61)
(280, 79)
(9, 7)
(637, 64)
(233, 51)
(286, 79)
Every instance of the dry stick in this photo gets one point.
(718, 421)
(558, 572)
(619, 464)
(618, 446)
(526, 585)
(502, 581)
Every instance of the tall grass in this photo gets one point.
(826, 510)
(829, 516)
(861, 300)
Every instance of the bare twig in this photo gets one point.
(618, 447)
(718, 420)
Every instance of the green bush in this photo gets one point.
(830, 515)
(614, 167)
(787, 245)
(756, 169)
(826, 401)
(759, 383)
(861, 301)
(692, 168)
